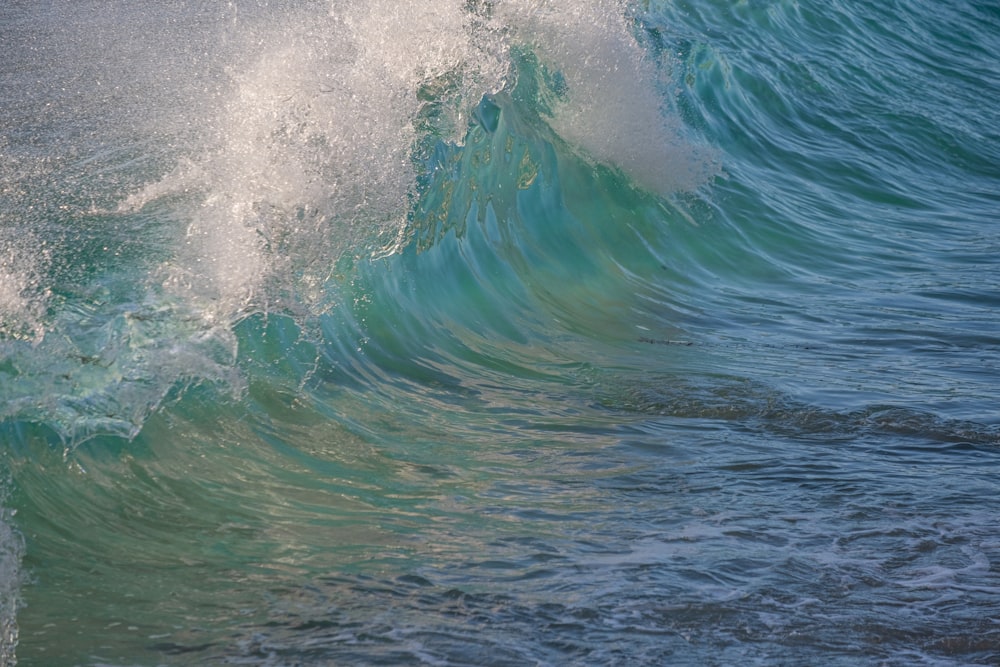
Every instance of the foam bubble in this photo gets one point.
(23, 296)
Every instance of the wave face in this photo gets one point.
(499, 332)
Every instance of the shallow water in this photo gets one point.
(499, 333)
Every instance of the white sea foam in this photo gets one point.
(611, 108)
(309, 153)
(23, 296)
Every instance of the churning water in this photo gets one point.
(499, 332)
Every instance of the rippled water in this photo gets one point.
(499, 333)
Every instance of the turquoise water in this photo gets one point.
(499, 333)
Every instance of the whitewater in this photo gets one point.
(499, 332)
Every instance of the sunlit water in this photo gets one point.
(499, 333)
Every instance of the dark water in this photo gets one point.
(499, 333)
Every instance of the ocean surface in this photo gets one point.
(499, 332)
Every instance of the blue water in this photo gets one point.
(499, 333)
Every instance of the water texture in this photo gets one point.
(501, 332)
